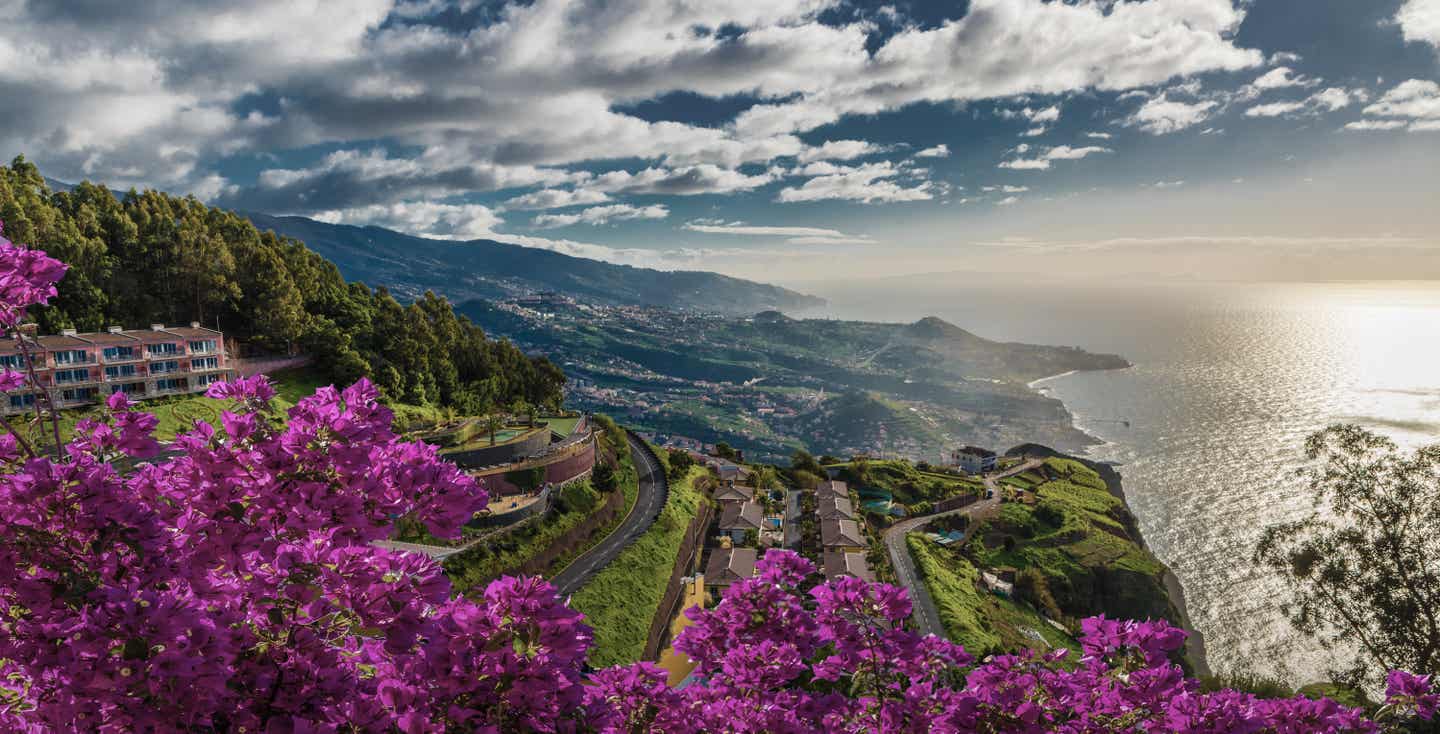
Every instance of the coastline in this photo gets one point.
(1174, 588)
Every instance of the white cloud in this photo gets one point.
(1046, 115)
(1420, 21)
(1162, 115)
(1167, 184)
(1412, 105)
(792, 235)
(1007, 201)
(1058, 153)
(422, 219)
(1414, 98)
(1275, 109)
(1034, 132)
(556, 199)
(1325, 100)
(869, 183)
(597, 215)
(1281, 78)
(939, 151)
(688, 180)
(839, 150)
(1099, 136)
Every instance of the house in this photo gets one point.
(837, 564)
(734, 493)
(974, 460)
(82, 369)
(738, 519)
(997, 585)
(832, 488)
(841, 535)
(728, 565)
(730, 471)
(835, 508)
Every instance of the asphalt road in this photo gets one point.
(925, 616)
(654, 490)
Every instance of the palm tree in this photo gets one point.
(493, 424)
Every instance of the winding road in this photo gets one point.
(654, 490)
(926, 617)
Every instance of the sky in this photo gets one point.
(790, 141)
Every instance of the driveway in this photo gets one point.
(926, 617)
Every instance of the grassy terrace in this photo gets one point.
(179, 413)
(504, 553)
(621, 600)
(982, 622)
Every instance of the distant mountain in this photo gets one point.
(485, 269)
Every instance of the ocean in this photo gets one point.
(1209, 424)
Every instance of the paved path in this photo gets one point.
(654, 490)
(792, 518)
(926, 616)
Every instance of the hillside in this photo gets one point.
(148, 257)
(771, 384)
(487, 269)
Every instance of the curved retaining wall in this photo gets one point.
(563, 465)
(505, 453)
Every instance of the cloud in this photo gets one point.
(1420, 21)
(1281, 78)
(869, 183)
(1058, 153)
(423, 219)
(1034, 132)
(353, 178)
(1109, 47)
(839, 150)
(1047, 115)
(1413, 105)
(792, 235)
(556, 199)
(1162, 115)
(939, 151)
(1007, 188)
(1007, 201)
(597, 215)
(1326, 100)
(683, 181)
(1167, 184)
(1414, 98)
(1099, 136)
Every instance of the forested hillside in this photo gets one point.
(150, 257)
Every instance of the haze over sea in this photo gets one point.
(1228, 381)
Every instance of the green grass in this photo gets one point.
(621, 600)
(179, 413)
(983, 622)
(563, 426)
(502, 554)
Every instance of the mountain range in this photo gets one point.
(485, 269)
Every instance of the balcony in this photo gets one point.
(122, 358)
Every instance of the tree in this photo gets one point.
(524, 408)
(493, 424)
(1364, 566)
(725, 451)
(801, 460)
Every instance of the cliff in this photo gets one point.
(1123, 590)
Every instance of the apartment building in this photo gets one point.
(83, 369)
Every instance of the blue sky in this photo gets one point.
(789, 140)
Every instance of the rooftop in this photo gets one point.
(741, 516)
(728, 565)
(835, 533)
(836, 563)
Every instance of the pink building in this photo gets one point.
(82, 369)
